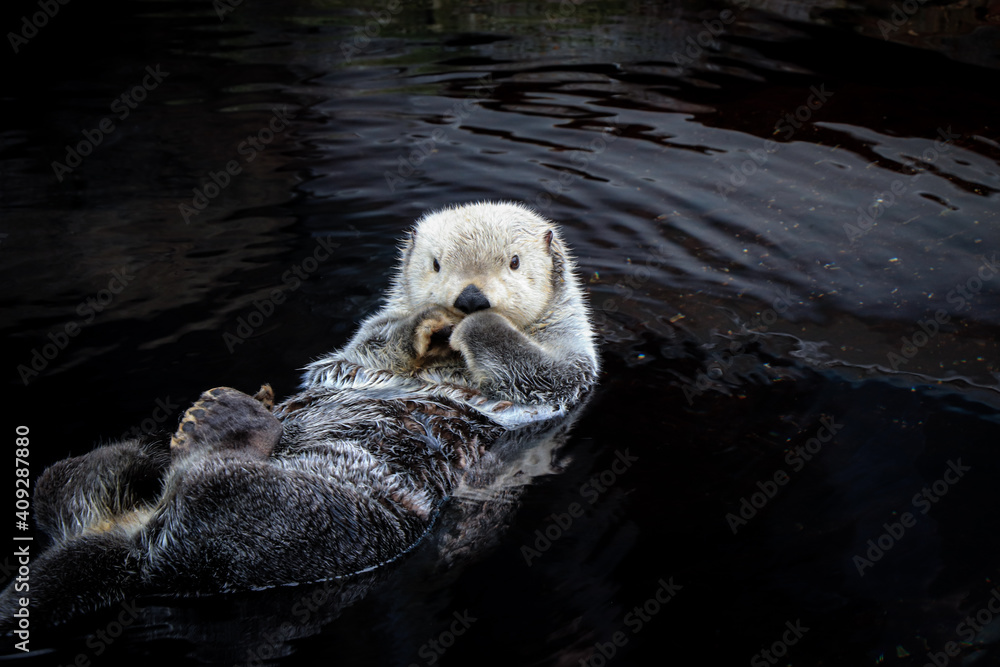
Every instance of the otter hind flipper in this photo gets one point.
(225, 420)
(109, 486)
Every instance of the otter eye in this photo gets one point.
(437, 267)
(515, 262)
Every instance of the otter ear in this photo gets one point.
(554, 245)
(406, 247)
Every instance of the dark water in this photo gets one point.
(786, 214)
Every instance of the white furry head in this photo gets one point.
(513, 258)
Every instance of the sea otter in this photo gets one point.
(484, 339)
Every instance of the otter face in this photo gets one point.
(482, 256)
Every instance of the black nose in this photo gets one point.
(471, 300)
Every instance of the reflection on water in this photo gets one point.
(786, 214)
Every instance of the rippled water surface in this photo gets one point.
(786, 215)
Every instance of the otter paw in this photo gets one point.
(227, 420)
(434, 327)
(483, 329)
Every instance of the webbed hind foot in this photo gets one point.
(225, 420)
(114, 484)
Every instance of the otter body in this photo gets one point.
(484, 334)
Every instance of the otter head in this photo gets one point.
(501, 257)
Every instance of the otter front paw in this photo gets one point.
(227, 420)
(433, 330)
(483, 332)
